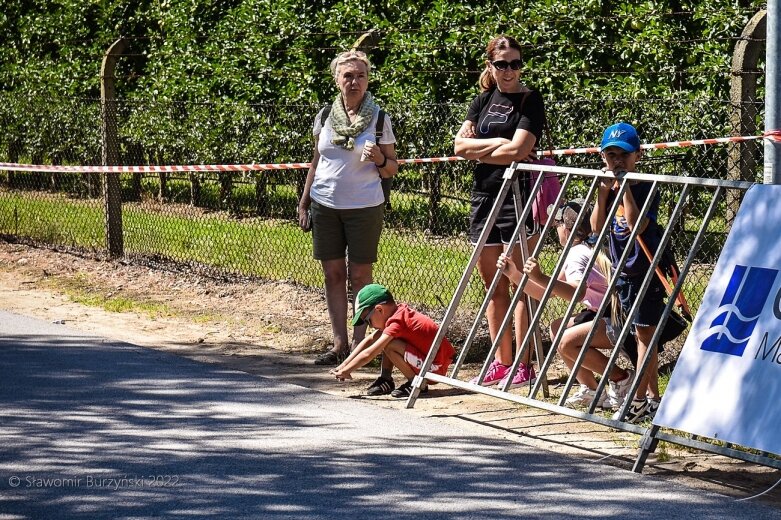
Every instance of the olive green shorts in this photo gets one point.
(339, 232)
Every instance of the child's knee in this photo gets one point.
(645, 335)
(567, 345)
(395, 346)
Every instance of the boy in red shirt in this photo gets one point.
(403, 334)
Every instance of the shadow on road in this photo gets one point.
(100, 429)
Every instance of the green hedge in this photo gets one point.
(266, 50)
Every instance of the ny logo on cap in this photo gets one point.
(615, 134)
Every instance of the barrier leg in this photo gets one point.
(647, 446)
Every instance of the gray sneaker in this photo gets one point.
(616, 393)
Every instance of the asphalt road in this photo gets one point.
(93, 428)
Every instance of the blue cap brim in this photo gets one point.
(621, 144)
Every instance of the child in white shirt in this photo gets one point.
(578, 327)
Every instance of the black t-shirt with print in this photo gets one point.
(637, 263)
(500, 114)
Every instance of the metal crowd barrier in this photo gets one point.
(576, 181)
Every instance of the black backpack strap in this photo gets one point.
(380, 126)
(386, 183)
(324, 115)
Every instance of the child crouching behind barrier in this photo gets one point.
(403, 334)
(579, 326)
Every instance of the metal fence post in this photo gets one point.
(741, 162)
(433, 179)
(772, 94)
(110, 149)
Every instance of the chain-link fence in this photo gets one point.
(245, 223)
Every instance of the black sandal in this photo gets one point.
(405, 390)
(381, 386)
(330, 358)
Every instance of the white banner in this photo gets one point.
(727, 382)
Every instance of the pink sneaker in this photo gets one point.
(496, 372)
(523, 376)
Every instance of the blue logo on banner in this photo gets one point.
(739, 310)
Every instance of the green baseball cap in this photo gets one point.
(369, 296)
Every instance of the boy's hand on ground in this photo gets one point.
(342, 375)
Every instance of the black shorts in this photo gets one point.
(652, 306)
(502, 231)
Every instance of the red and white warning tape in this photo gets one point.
(188, 168)
(151, 168)
(672, 144)
(772, 135)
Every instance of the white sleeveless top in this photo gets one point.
(342, 180)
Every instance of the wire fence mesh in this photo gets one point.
(245, 223)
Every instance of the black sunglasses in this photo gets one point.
(366, 320)
(502, 64)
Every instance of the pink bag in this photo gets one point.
(548, 192)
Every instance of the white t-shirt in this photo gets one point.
(342, 180)
(575, 267)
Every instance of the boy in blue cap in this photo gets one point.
(620, 151)
(402, 334)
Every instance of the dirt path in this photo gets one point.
(273, 329)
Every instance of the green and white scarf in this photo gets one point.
(345, 132)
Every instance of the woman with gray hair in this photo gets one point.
(343, 199)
